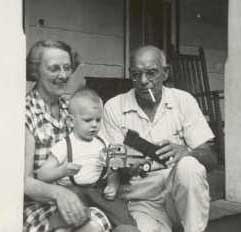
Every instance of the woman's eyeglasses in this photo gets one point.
(59, 68)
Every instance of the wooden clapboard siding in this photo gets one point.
(94, 28)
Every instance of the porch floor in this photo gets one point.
(231, 223)
(224, 216)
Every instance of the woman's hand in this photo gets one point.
(72, 209)
(174, 152)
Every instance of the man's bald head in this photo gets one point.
(149, 52)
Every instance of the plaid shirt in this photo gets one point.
(46, 131)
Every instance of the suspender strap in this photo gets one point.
(104, 171)
(70, 157)
(69, 149)
(101, 140)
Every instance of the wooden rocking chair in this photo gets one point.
(189, 72)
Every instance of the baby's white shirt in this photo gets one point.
(88, 154)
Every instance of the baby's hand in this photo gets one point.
(70, 169)
(110, 192)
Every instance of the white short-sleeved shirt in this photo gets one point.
(87, 154)
(178, 119)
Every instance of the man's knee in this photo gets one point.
(190, 192)
(190, 169)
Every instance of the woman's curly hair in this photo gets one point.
(35, 53)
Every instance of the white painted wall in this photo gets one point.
(12, 91)
(233, 104)
(94, 28)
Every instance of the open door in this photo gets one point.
(153, 22)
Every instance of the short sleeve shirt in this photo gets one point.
(178, 119)
(45, 129)
(88, 154)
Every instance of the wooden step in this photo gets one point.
(223, 208)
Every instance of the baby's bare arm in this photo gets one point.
(113, 179)
(112, 187)
(52, 170)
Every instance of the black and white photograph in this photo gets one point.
(120, 116)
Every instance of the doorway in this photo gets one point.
(153, 22)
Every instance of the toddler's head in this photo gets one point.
(86, 108)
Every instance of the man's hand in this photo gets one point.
(73, 211)
(172, 151)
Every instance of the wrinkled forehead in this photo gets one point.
(148, 58)
(54, 55)
(42, 53)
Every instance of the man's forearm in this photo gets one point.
(205, 156)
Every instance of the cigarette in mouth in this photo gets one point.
(152, 96)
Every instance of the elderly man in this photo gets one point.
(170, 118)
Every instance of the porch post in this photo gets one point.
(12, 91)
(233, 104)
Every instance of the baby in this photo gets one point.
(78, 162)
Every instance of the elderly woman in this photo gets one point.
(49, 206)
